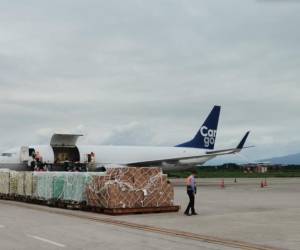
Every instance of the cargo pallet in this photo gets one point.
(40, 201)
(5, 197)
(73, 205)
(139, 210)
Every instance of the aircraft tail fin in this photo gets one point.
(206, 136)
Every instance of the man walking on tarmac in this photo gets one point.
(191, 191)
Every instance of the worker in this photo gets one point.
(33, 164)
(92, 157)
(33, 154)
(37, 155)
(191, 191)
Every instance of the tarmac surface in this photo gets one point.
(241, 211)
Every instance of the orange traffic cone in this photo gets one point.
(262, 184)
(222, 184)
(265, 183)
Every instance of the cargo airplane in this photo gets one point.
(63, 153)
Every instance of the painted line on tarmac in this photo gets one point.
(46, 240)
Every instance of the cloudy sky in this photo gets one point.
(148, 72)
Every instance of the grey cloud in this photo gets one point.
(160, 65)
(136, 133)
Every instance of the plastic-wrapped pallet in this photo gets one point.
(34, 184)
(58, 186)
(68, 186)
(43, 185)
(20, 183)
(13, 182)
(28, 183)
(75, 186)
(63, 186)
(4, 181)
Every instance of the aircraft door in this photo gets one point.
(24, 154)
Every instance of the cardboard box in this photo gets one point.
(130, 188)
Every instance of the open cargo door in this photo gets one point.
(65, 150)
(64, 140)
(24, 154)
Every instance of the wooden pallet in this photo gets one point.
(5, 196)
(82, 206)
(141, 210)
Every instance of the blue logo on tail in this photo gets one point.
(206, 136)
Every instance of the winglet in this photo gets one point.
(242, 142)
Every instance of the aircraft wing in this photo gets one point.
(238, 149)
(208, 154)
(167, 161)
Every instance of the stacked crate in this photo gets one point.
(28, 184)
(130, 188)
(68, 187)
(42, 185)
(4, 182)
(58, 187)
(74, 187)
(13, 183)
(20, 184)
(117, 188)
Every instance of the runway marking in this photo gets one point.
(46, 240)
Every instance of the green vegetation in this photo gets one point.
(236, 171)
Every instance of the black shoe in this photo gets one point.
(187, 214)
(194, 214)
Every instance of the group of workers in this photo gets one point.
(37, 163)
(74, 167)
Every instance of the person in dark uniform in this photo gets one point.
(191, 191)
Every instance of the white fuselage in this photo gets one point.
(117, 155)
(63, 152)
(130, 155)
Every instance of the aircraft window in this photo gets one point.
(7, 154)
